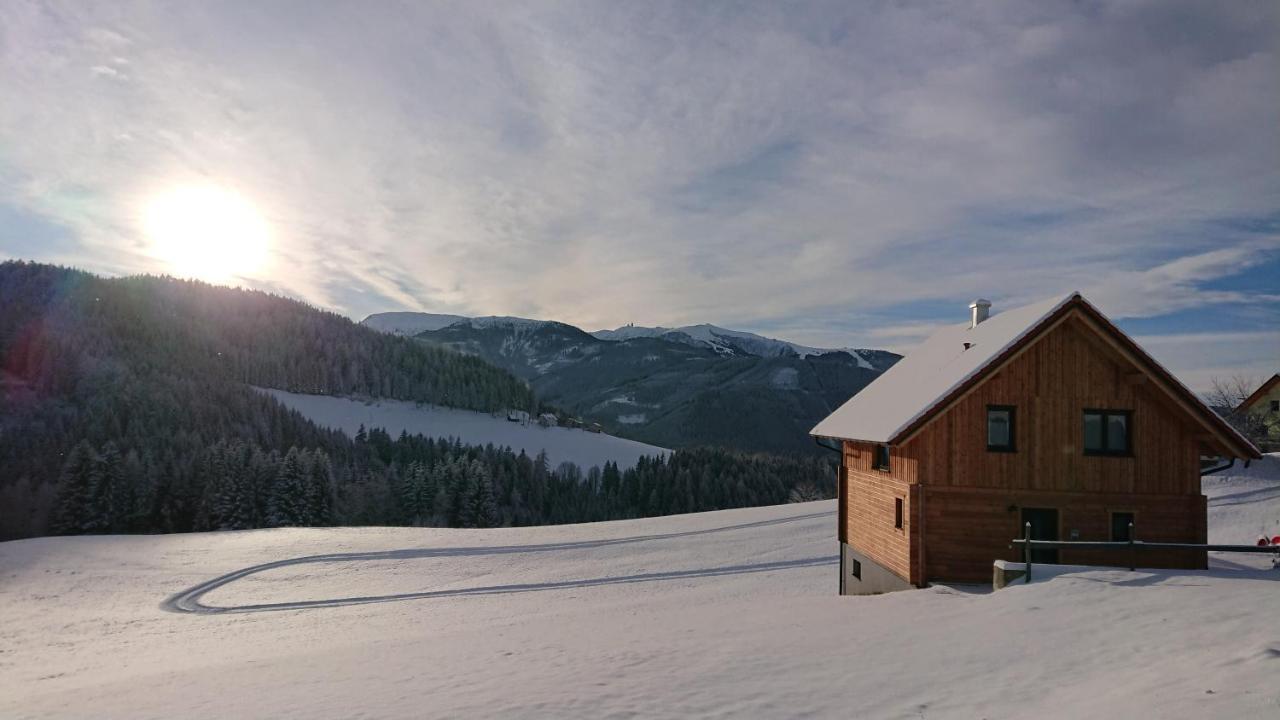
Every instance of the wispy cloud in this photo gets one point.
(808, 169)
(1200, 358)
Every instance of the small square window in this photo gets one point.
(882, 458)
(1120, 522)
(1000, 428)
(856, 569)
(1275, 406)
(1107, 432)
(897, 513)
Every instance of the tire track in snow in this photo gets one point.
(189, 600)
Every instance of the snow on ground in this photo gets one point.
(724, 614)
(583, 448)
(1244, 503)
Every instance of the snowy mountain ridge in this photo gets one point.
(702, 385)
(723, 341)
(726, 341)
(409, 323)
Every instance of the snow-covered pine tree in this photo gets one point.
(320, 490)
(240, 512)
(263, 468)
(115, 494)
(73, 500)
(288, 506)
(443, 500)
(484, 511)
(218, 494)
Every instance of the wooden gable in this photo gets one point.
(1065, 371)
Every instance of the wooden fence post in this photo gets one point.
(1026, 551)
(1133, 562)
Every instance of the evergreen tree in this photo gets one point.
(74, 498)
(289, 505)
(320, 490)
(484, 506)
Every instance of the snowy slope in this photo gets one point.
(1244, 503)
(725, 614)
(412, 323)
(409, 323)
(725, 341)
(722, 340)
(473, 428)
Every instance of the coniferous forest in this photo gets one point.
(126, 405)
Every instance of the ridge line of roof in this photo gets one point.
(1173, 379)
(996, 359)
(941, 397)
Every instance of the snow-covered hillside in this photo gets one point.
(412, 323)
(1244, 503)
(409, 323)
(721, 340)
(724, 614)
(580, 447)
(724, 341)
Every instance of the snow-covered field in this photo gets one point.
(724, 614)
(577, 446)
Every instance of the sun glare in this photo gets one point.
(207, 232)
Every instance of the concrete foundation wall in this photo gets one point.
(874, 579)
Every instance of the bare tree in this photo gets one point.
(1227, 395)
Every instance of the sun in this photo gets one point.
(207, 232)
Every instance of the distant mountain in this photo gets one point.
(721, 340)
(674, 389)
(409, 323)
(729, 342)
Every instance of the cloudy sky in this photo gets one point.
(831, 173)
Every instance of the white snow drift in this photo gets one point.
(725, 614)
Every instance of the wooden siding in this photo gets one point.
(970, 528)
(1061, 374)
(868, 510)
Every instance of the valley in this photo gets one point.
(680, 387)
(561, 444)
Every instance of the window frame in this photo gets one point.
(898, 514)
(1275, 406)
(878, 463)
(1012, 446)
(1105, 450)
(855, 568)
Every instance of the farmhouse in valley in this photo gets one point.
(1263, 405)
(1047, 414)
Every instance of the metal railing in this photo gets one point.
(1132, 545)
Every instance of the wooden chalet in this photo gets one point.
(1047, 414)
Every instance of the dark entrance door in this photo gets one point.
(1044, 526)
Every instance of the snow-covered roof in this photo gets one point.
(928, 374)
(924, 380)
